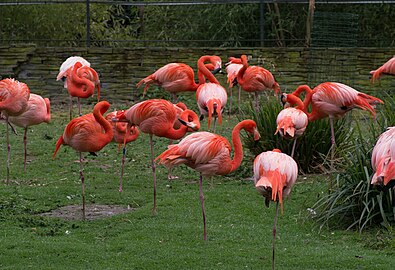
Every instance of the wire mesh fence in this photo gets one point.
(215, 23)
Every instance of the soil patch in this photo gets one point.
(92, 211)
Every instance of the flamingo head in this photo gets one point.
(190, 119)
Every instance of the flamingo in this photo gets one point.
(232, 68)
(157, 117)
(211, 100)
(209, 154)
(36, 112)
(87, 133)
(333, 100)
(274, 175)
(14, 96)
(292, 122)
(256, 79)
(388, 68)
(211, 97)
(383, 162)
(78, 79)
(122, 135)
(178, 77)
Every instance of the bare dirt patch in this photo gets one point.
(92, 211)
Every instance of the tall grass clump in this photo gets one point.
(312, 148)
(354, 203)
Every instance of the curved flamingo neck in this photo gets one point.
(295, 100)
(238, 148)
(304, 88)
(98, 112)
(204, 72)
(242, 70)
(75, 81)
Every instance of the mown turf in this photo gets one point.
(239, 225)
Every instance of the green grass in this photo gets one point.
(239, 225)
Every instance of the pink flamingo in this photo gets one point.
(209, 154)
(383, 162)
(157, 117)
(178, 77)
(232, 69)
(87, 133)
(14, 96)
(388, 68)
(211, 97)
(79, 78)
(256, 79)
(123, 134)
(292, 122)
(274, 175)
(333, 100)
(36, 112)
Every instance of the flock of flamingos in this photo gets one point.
(208, 153)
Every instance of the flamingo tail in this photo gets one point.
(58, 144)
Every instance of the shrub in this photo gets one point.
(311, 149)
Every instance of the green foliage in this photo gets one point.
(220, 25)
(353, 202)
(311, 149)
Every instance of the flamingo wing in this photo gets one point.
(206, 152)
(387, 68)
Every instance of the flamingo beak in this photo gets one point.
(191, 125)
(217, 70)
(257, 136)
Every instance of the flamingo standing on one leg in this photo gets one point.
(73, 76)
(232, 69)
(292, 122)
(14, 96)
(209, 154)
(383, 162)
(333, 100)
(274, 175)
(87, 133)
(388, 69)
(123, 134)
(256, 79)
(157, 117)
(36, 112)
(82, 82)
(177, 77)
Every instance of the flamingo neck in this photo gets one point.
(203, 72)
(98, 112)
(75, 81)
(238, 148)
(308, 92)
(242, 70)
(48, 113)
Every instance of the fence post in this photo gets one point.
(262, 22)
(88, 24)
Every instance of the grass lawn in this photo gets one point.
(239, 225)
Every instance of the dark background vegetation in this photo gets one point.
(220, 23)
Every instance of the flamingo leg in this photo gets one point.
(12, 128)
(25, 147)
(293, 148)
(231, 100)
(79, 107)
(153, 171)
(8, 153)
(256, 100)
(202, 203)
(122, 167)
(82, 186)
(274, 236)
(71, 107)
(333, 142)
(174, 96)
(239, 98)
